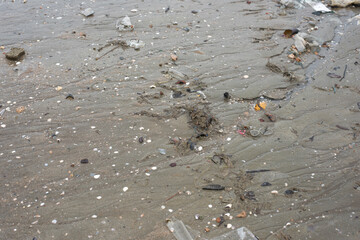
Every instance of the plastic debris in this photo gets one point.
(299, 43)
(136, 44)
(214, 187)
(177, 74)
(239, 234)
(124, 24)
(88, 12)
(260, 105)
(318, 6)
(179, 230)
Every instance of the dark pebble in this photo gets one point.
(141, 139)
(192, 146)
(186, 29)
(358, 105)
(194, 11)
(69, 97)
(15, 54)
(84, 161)
(227, 96)
(121, 58)
(289, 192)
(266, 184)
(177, 94)
(172, 164)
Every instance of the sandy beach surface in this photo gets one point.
(109, 134)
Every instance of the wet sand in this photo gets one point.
(128, 189)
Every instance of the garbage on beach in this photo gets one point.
(318, 6)
(124, 24)
(136, 44)
(88, 12)
(259, 106)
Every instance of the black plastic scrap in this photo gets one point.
(257, 171)
(214, 187)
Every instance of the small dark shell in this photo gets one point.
(172, 164)
(69, 97)
(141, 139)
(84, 161)
(289, 192)
(227, 96)
(266, 184)
(214, 187)
(290, 32)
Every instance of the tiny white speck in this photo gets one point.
(210, 206)
(125, 189)
(246, 76)
(97, 176)
(162, 207)
(170, 210)
(94, 216)
(99, 197)
(54, 221)
(93, 127)
(153, 168)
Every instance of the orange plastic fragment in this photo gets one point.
(259, 106)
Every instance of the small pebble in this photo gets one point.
(97, 176)
(172, 165)
(125, 189)
(289, 192)
(266, 184)
(84, 161)
(54, 221)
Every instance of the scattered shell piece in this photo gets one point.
(58, 88)
(134, 10)
(173, 57)
(54, 221)
(96, 176)
(241, 215)
(125, 189)
(99, 197)
(207, 229)
(94, 216)
(20, 109)
(274, 192)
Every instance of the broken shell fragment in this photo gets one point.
(241, 215)
(288, 33)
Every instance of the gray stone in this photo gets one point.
(15, 54)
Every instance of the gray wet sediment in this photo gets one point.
(128, 190)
